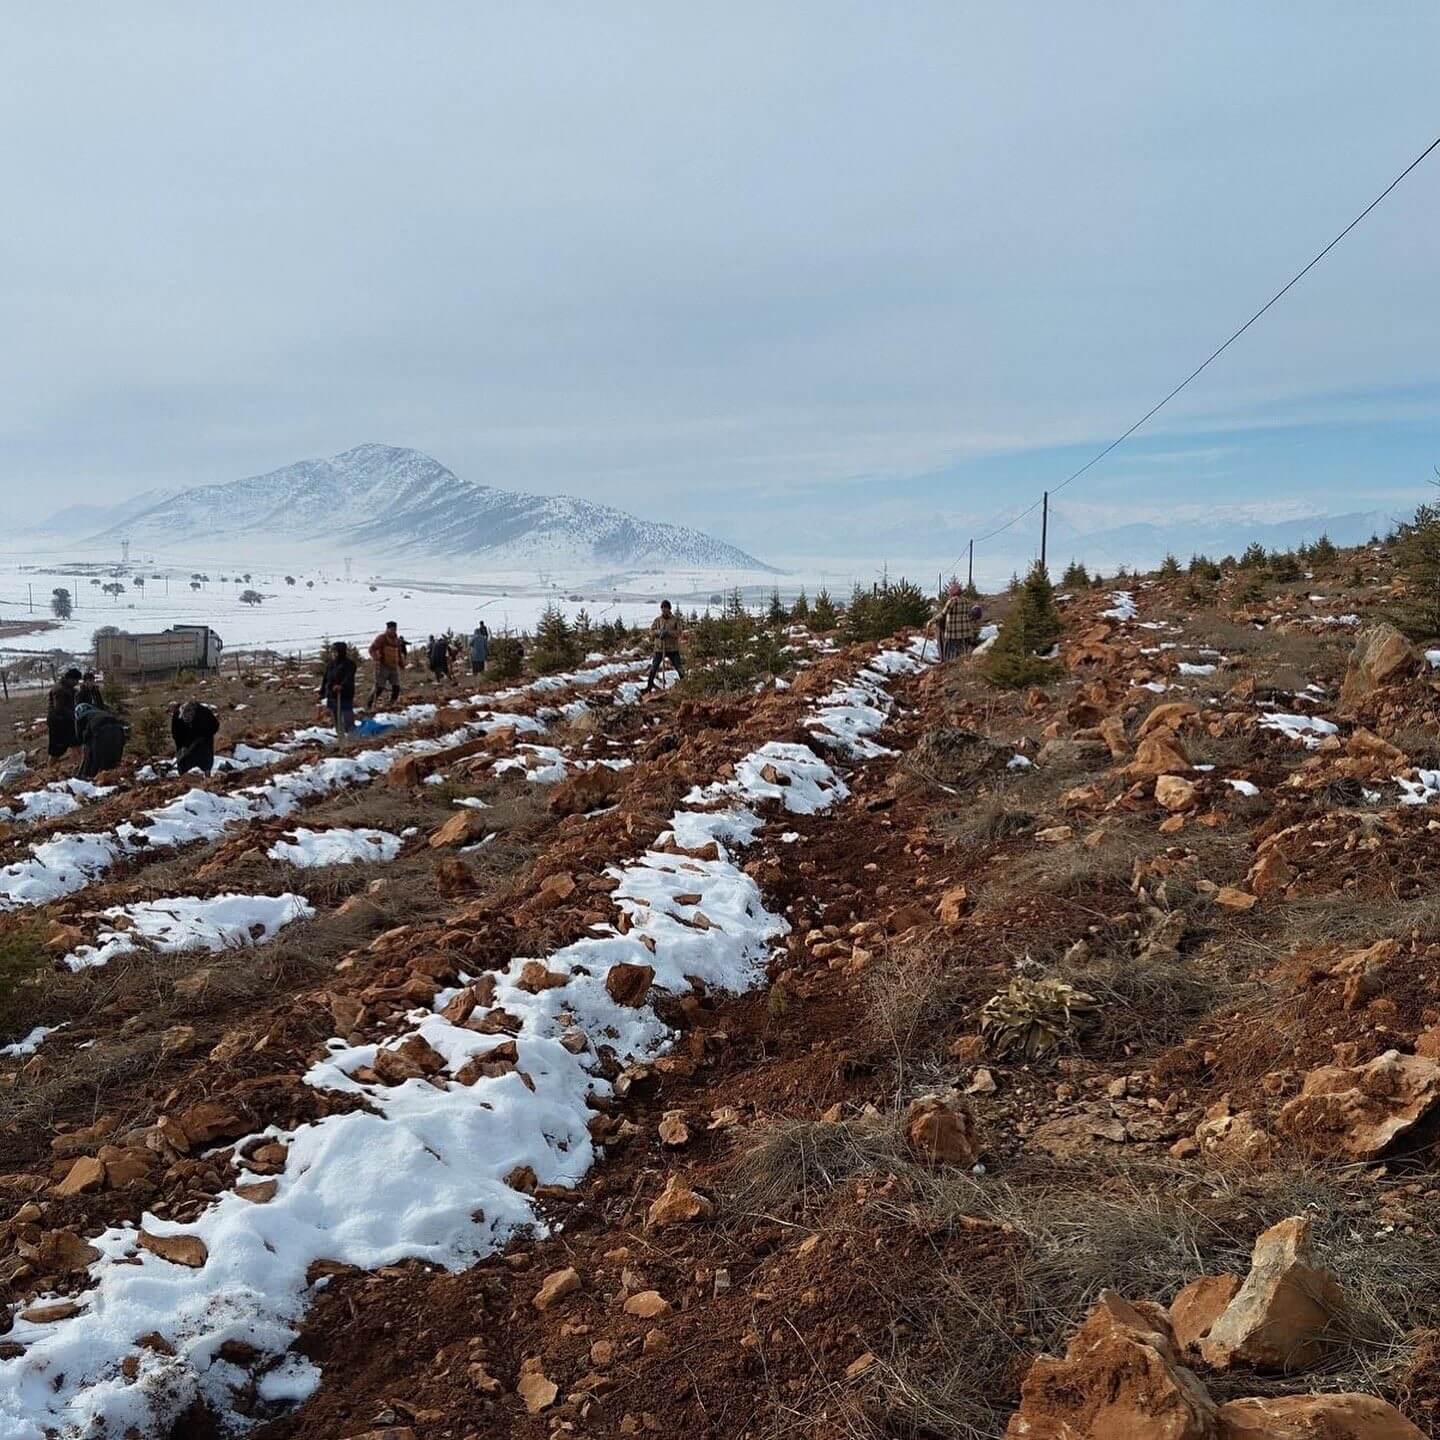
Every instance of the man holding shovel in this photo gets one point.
(666, 632)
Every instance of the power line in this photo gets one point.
(1220, 349)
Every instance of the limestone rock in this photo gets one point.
(1197, 1307)
(586, 790)
(556, 1286)
(1175, 793)
(941, 1132)
(647, 1305)
(86, 1174)
(553, 890)
(1119, 1380)
(1361, 1111)
(462, 828)
(953, 905)
(1170, 715)
(629, 984)
(187, 1250)
(1270, 874)
(1159, 753)
(208, 1121)
(1382, 656)
(1280, 1316)
(1233, 1140)
(534, 977)
(1228, 897)
(678, 1204)
(1315, 1417)
(534, 1387)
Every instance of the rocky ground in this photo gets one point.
(884, 1055)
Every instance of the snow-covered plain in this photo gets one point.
(420, 1172)
(323, 605)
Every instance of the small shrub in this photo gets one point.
(556, 647)
(507, 657)
(1032, 627)
(150, 734)
(880, 612)
(823, 616)
(116, 697)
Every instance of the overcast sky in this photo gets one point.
(788, 271)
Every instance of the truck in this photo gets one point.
(159, 653)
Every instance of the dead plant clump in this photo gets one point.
(791, 1165)
(1144, 1001)
(955, 758)
(1070, 870)
(993, 818)
(1421, 744)
(1343, 918)
(914, 995)
(1227, 752)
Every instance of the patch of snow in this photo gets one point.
(30, 1044)
(1309, 730)
(1187, 669)
(224, 922)
(60, 797)
(1421, 790)
(1244, 787)
(310, 848)
(1122, 607)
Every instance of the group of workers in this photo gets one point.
(77, 717)
(389, 651)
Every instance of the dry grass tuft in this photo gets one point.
(1145, 1002)
(951, 1353)
(795, 1163)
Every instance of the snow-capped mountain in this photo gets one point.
(392, 502)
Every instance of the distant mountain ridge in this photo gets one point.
(392, 501)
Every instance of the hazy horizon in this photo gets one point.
(810, 280)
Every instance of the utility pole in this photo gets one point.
(970, 568)
(30, 590)
(1044, 525)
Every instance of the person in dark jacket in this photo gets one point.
(60, 714)
(103, 737)
(337, 689)
(193, 728)
(88, 691)
(479, 649)
(438, 658)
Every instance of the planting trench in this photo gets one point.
(421, 1170)
(70, 861)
